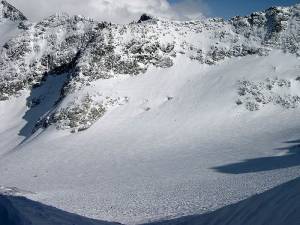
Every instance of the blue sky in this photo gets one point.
(126, 11)
(230, 8)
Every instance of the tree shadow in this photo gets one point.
(16, 210)
(291, 159)
(278, 206)
(41, 101)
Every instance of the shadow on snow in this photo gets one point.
(45, 96)
(16, 210)
(278, 206)
(291, 159)
(41, 101)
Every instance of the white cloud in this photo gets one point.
(118, 11)
(190, 9)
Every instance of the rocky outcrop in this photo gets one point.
(7, 11)
(94, 50)
(254, 95)
(145, 17)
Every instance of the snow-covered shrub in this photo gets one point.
(255, 94)
(79, 115)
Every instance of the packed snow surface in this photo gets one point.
(164, 154)
(270, 207)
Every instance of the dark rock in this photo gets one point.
(144, 17)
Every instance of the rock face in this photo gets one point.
(90, 51)
(7, 11)
(144, 17)
(257, 94)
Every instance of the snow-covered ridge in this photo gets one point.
(7, 11)
(184, 117)
(90, 51)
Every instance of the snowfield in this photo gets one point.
(158, 157)
(183, 137)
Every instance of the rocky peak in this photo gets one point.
(145, 17)
(8, 11)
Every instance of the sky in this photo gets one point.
(125, 11)
(230, 8)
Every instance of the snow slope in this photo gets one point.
(8, 29)
(21, 211)
(157, 157)
(183, 139)
(269, 207)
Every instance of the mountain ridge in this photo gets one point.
(88, 51)
(153, 120)
(8, 11)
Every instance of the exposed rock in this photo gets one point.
(255, 95)
(78, 115)
(8, 11)
(144, 17)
